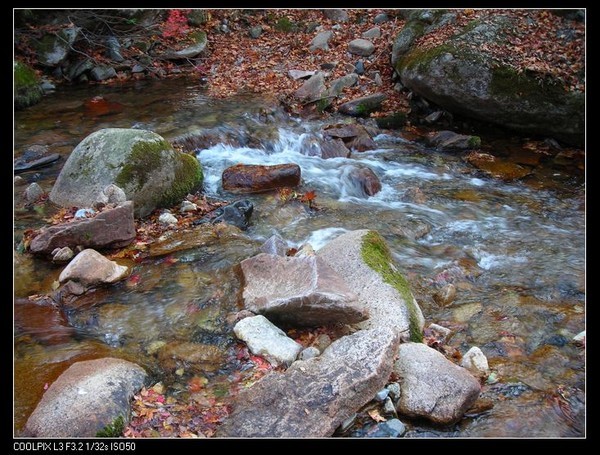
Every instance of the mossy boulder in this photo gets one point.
(54, 48)
(140, 162)
(27, 90)
(194, 50)
(462, 78)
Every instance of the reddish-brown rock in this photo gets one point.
(244, 178)
(366, 179)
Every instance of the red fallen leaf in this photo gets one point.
(260, 363)
(160, 399)
(170, 260)
(133, 280)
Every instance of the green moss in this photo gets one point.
(26, 86)
(506, 82)
(377, 256)
(285, 25)
(198, 37)
(422, 58)
(188, 176)
(112, 430)
(474, 141)
(144, 159)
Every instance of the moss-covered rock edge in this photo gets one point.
(113, 429)
(377, 256)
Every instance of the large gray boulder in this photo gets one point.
(461, 76)
(432, 386)
(313, 89)
(90, 268)
(266, 339)
(302, 291)
(112, 228)
(86, 398)
(364, 261)
(313, 397)
(140, 162)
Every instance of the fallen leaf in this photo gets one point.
(376, 416)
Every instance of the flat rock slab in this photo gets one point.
(244, 178)
(321, 41)
(432, 386)
(313, 397)
(449, 140)
(333, 148)
(303, 291)
(379, 286)
(267, 340)
(112, 228)
(90, 268)
(87, 397)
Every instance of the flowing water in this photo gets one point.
(515, 252)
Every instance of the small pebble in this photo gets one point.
(187, 206)
(382, 395)
(167, 218)
(388, 407)
(33, 192)
(83, 213)
(309, 353)
(394, 390)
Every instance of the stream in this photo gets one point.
(514, 250)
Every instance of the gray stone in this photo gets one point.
(393, 428)
(33, 192)
(255, 31)
(434, 117)
(377, 79)
(111, 228)
(64, 254)
(321, 41)
(580, 337)
(394, 389)
(275, 245)
(381, 18)
(84, 213)
(86, 398)
(192, 51)
(140, 162)
(333, 148)
(336, 15)
(372, 33)
(300, 74)
(382, 395)
(461, 78)
(361, 47)
(112, 194)
(167, 218)
(309, 353)
(312, 89)
(313, 397)
(363, 106)
(237, 214)
(137, 68)
(433, 387)
(476, 362)
(336, 88)
(47, 86)
(449, 140)
(113, 49)
(267, 340)
(389, 408)
(322, 342)
(187, 206)
(441, 333)
(90, 268)
(389, 305)
(54, 48)
(77, 69)
(347, 423)
(305, 291)
(359, 68)
(19, 181)
(101, 73)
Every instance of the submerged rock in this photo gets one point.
(333, 148)
(313, 397)
(34, 157)
(140, 162)
(244, 178)
(237, 214)
(43, 321)
(365, 180)
(267, 340)
(90, 268)
(497, 167)
(432, 387)
(86, 398)
(111, 228)
(275, 245)
(196, 356)
(446, 295)
(449, 140)
(304, 291)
